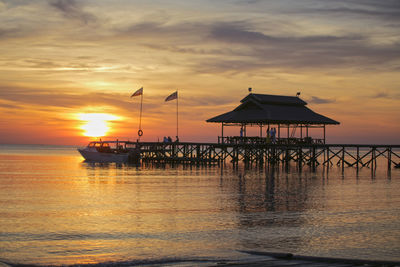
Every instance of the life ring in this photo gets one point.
(140, 132)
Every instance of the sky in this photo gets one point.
(61, 60)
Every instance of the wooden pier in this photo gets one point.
(274, 114)
(313, 155)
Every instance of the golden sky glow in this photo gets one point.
(63, 57)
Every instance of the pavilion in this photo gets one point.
(273, 111)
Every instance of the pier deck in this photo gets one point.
(344, 155)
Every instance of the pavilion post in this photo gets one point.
(261, 129)
(301, 131)
(288, 131)
(324, 133)
(222, 133)
(306, 130)
(279, 131)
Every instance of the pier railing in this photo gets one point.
(344, 155)
(265, 141)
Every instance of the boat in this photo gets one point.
(111, 151)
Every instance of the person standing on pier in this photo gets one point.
(273, 133)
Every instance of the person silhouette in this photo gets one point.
(273, 133)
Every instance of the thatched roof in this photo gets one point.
(258, 108)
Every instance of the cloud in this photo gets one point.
(8, 106)
(255, 49)
(14, 32)
(6, 33)
(377, 14)
(209, 100)
(241, 33)
(318, 100)
(220, 44)
(49, 99)
(163, 33)
(72, 10)
(55, 98)
(232, 66)
(369, 9)
(380, 95)
(385, 95)
(52, 102)
(239, 46)
(41, 63)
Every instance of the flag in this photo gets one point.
(172, 96)
(138, 92)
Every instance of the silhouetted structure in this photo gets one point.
(282, 112)
(262, 110)
(272, 154)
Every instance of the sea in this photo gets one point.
(56, 209)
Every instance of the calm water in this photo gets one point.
(56, 209)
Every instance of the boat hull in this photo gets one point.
(95, 156)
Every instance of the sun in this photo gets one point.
(96, 124)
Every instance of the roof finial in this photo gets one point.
(250, 89)
(298, 94)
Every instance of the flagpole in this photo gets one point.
(136, 93)
(140, 116)
(177, 135)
